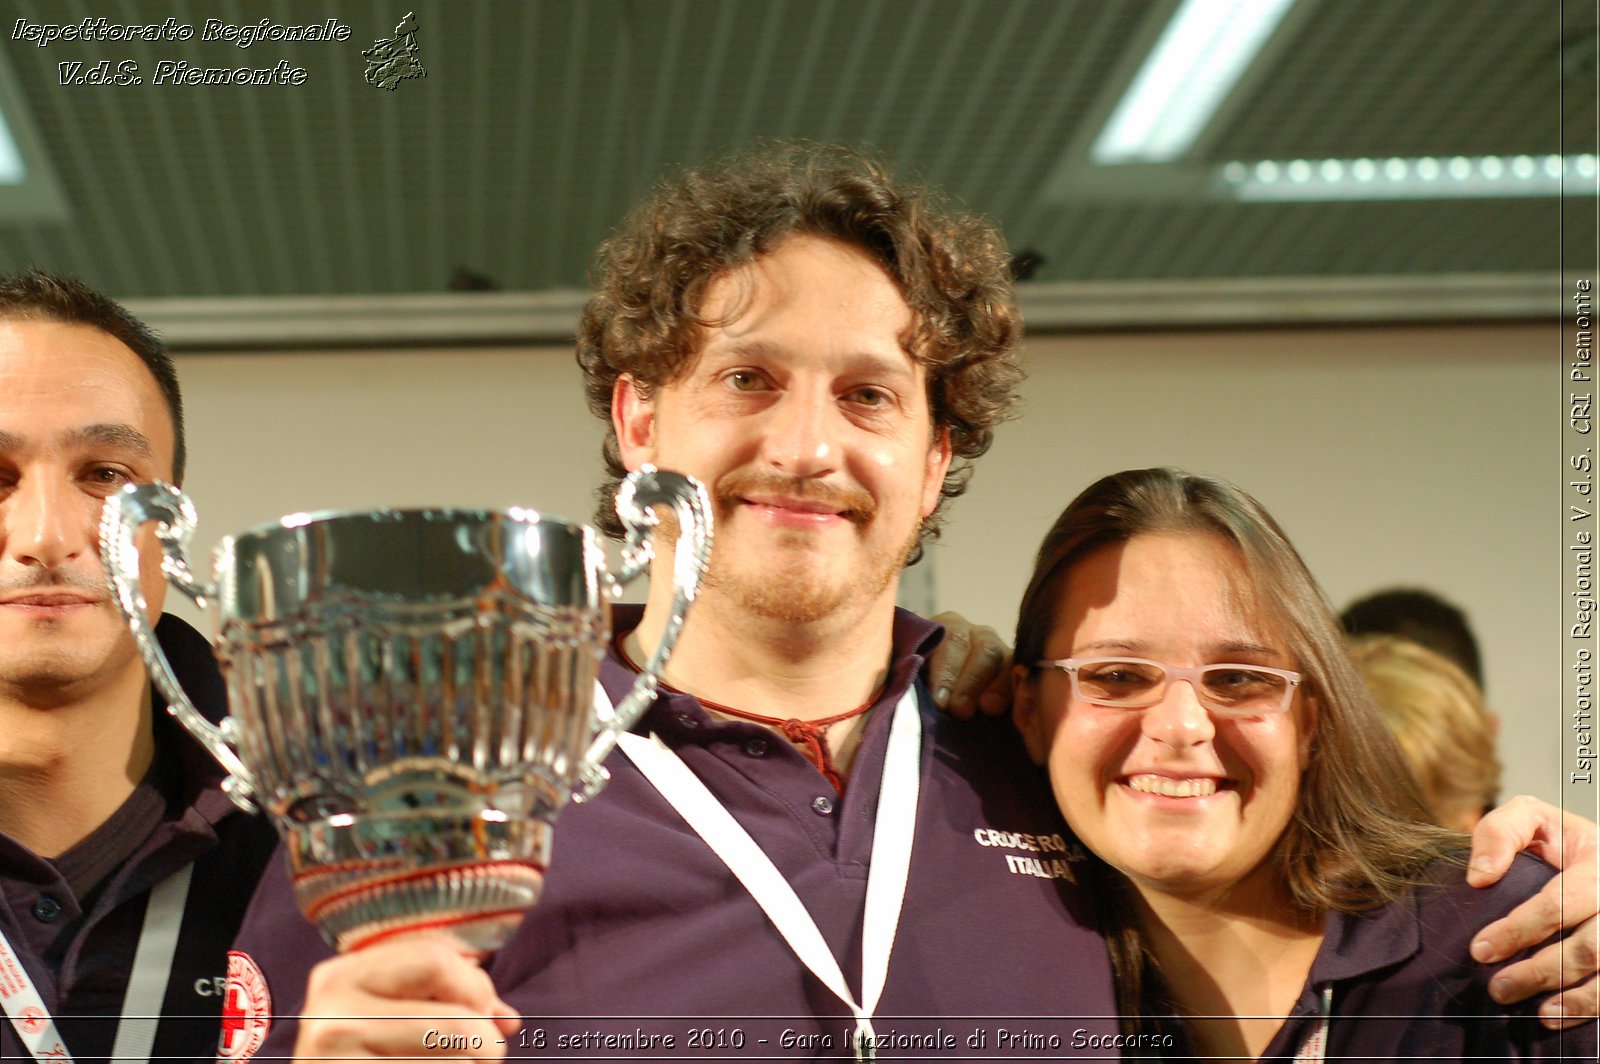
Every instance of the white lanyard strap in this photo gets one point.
(152, 967)
(147, 983)
(886, 876)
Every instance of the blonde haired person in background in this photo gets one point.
(1444, 729)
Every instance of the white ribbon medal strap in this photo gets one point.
(152, 967)
(886, 876)
(147, 983)
(21, 1000)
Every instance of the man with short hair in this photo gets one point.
(826, 350)
(119, 854)
(1422, 617)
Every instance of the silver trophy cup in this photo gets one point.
(411, 691)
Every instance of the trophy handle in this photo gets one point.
(646, 487)
(124, 514)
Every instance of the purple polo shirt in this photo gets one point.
(643, 935)
(1404, 987)
(79, 950)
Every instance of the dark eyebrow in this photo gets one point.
(114, 434)
(751, 349)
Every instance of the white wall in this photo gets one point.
(273, 433)
(1425, 456)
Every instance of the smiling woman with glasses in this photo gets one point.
(1272, 887)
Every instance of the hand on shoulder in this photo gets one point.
(1568, 902)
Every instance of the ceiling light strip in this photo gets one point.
(1427, 177)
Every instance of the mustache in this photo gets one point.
(55, 580)
(856, 504)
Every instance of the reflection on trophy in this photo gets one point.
(411, 691)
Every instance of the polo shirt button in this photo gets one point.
(687, 721)
(46, 909)
(822, 805)
(756, 747)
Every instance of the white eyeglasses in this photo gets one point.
(1227, 690)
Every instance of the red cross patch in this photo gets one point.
(246, 1009)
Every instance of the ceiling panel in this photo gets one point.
(540, 122)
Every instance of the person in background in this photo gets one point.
(1437, 714)
(1422, 617)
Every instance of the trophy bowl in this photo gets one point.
(411, 692)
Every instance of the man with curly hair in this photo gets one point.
(827, 351)
(796, 854)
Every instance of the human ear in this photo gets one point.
(633, 418)
(933, 477)
(1027, 716)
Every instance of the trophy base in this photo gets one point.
(467, 878)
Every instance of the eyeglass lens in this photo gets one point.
(1233, 688)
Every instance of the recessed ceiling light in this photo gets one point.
(12, 169)
(29, 190)
(1195, 63)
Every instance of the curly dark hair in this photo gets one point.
(952, 268)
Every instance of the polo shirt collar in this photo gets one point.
(912, 640)
(1355, 944)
